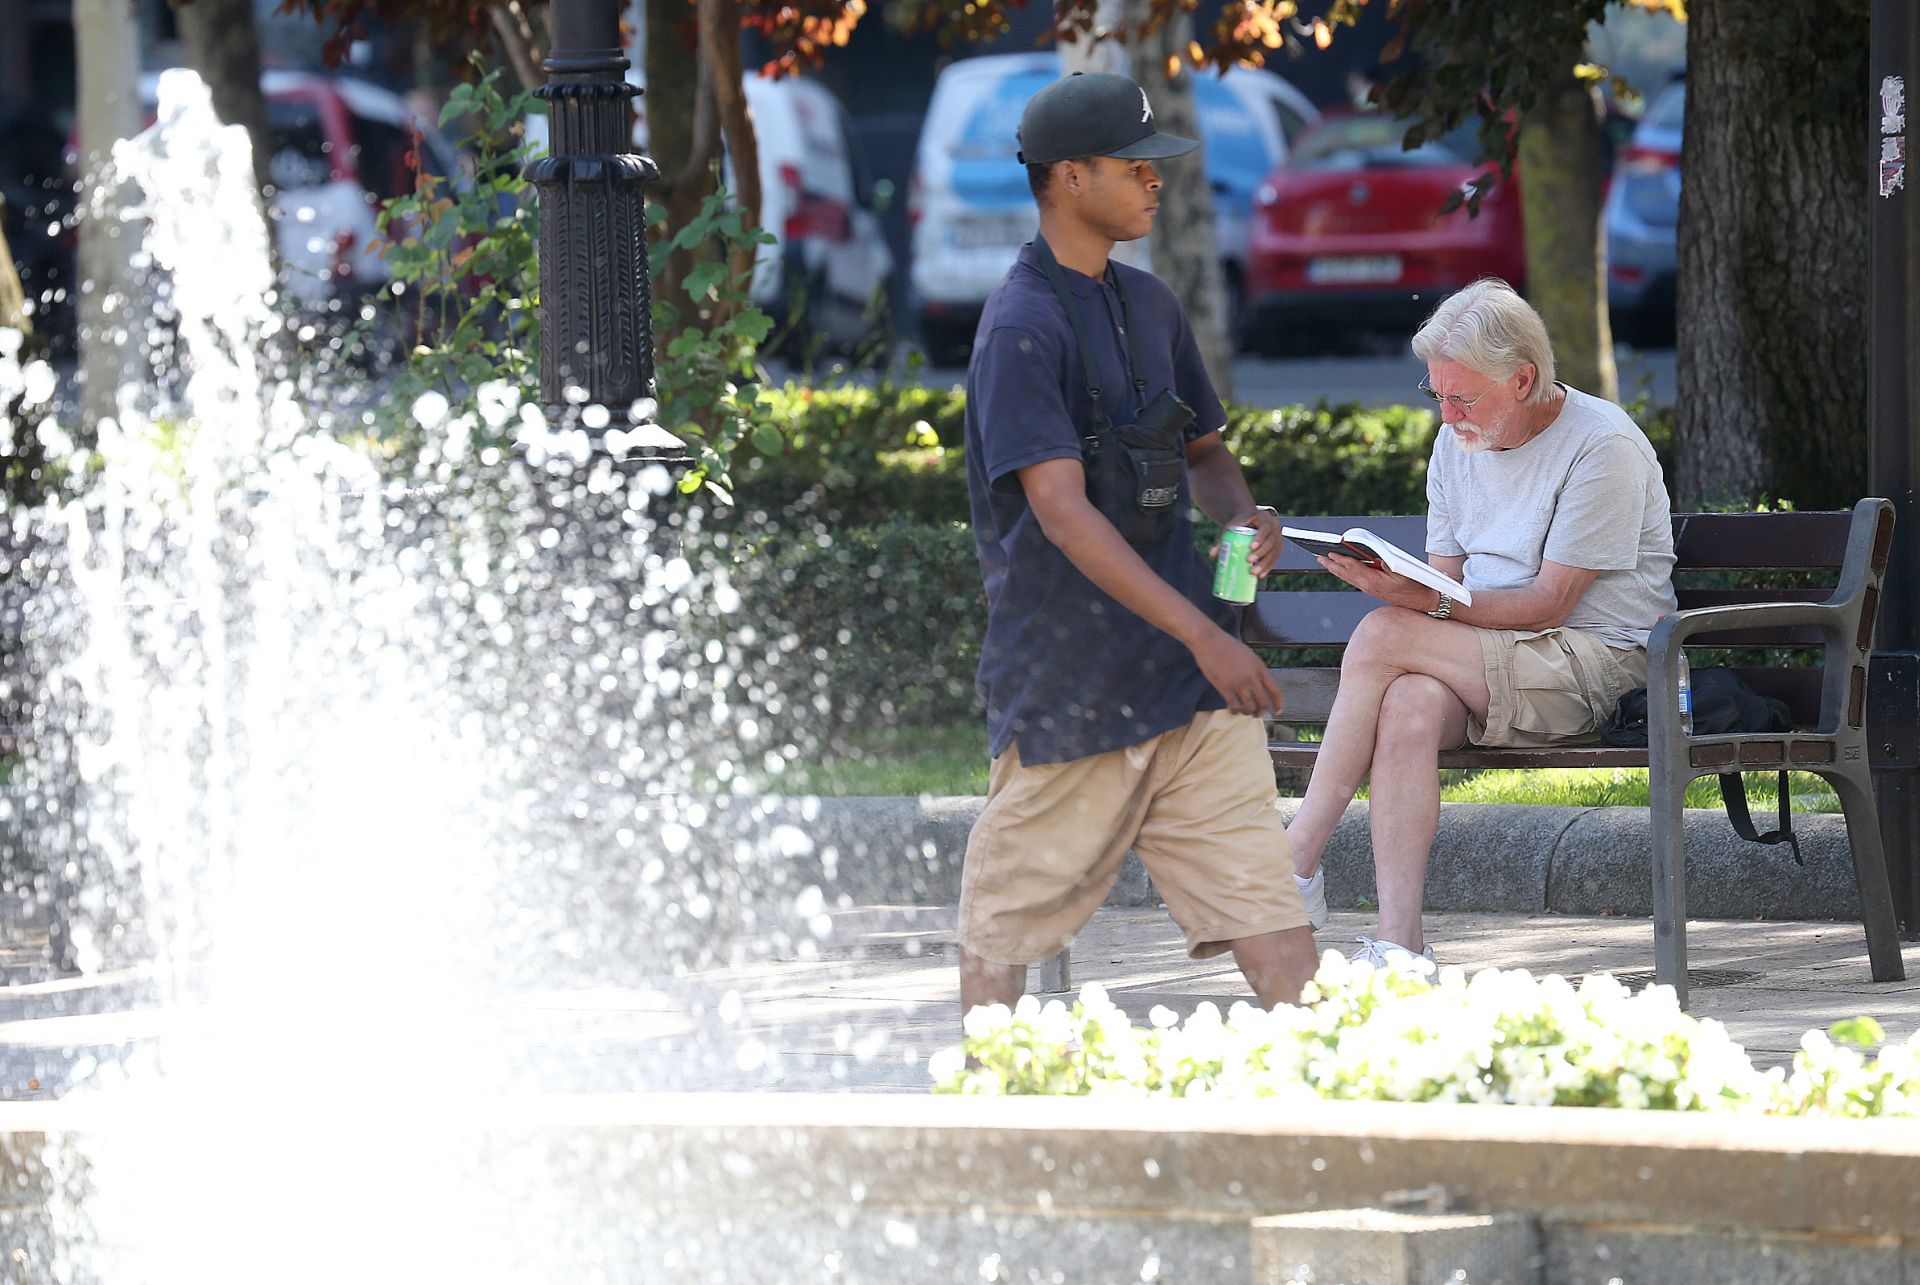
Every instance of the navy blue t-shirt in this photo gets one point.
(1066, 671)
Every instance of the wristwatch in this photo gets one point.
(1444, 610)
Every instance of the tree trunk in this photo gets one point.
(1775, 229)
(1561, 158)
(720, 49)
(107, 59)
(683, 136)
(13, 298)
(1102, 48)
(222, 44)
(522, 42)
(1185, 249)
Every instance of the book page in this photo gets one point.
(1375, 550)
(1402, 563)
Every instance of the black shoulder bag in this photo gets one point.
(1134, 470)
(1722, 703)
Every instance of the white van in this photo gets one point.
(970, 209)
(829, 260)
(338, 148)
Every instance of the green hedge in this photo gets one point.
(857, 573)
(857, 456)
(884, 621)
(850, 550)
(1306, 460)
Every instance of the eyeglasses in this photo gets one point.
(1460, 404)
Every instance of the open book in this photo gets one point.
(1358, 542)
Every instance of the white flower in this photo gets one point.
(984, 1020)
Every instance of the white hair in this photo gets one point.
(1491, 330)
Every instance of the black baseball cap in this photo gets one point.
(1093, 113)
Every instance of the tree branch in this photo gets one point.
(720, 48)
(518, 42)
(706, 130)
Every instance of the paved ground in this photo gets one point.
(865, 1010)
(1384, 375)
(889, 980)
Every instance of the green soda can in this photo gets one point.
(1233, 574)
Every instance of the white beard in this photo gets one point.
(1470, 442)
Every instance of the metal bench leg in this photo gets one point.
(1668, 796)
(1056, 974)
(1870, 875)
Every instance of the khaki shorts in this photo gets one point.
(1196, 804)
(1553, 686)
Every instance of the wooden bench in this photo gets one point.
(1848, 554)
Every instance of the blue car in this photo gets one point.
(1643, 211)
(970, 209)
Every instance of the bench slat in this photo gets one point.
(1304, 753)
(1308, 694)
(1326, 618)
(1749, 754)
(1761, 541)
(1701, 541)
(1304, 618)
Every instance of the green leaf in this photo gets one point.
(703, 278)
(1862, 1032)
(753, 325)
(766, 439)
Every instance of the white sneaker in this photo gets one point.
(1313, 892)
(1385, 954)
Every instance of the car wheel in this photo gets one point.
(1236, 308)
(945, 343)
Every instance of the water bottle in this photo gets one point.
(1683, 696)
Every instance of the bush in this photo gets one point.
(1349, 459)
(869, 625)
(856, 456)
(868, 601)
(1394, 1035)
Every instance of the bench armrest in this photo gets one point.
(1670, 631)
(1839, 621)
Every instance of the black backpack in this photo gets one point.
(1722, 703)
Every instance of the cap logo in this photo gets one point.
(1146, 108)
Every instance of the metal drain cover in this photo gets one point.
(1699, 979)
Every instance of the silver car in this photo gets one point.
(1642, 214)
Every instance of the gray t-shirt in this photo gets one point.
(1585, 493)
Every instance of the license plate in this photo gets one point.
(1354, 269)
(991, 234)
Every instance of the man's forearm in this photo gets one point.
(1219, 487)
(1102, 556)
(1525, 608)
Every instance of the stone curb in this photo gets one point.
(1487, 856)
(1498, 857)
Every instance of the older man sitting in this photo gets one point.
(1548, 504)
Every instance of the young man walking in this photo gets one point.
(1123, 710)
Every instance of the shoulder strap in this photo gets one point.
(1057, 278)
(1733, 790)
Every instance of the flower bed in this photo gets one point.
(1393, 1035)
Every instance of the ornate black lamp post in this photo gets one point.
(1893, 717)
(596, 327)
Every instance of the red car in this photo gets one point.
(1353, 231)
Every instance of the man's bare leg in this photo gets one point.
(985, 982)
(1277, 965)
(1387, 645)
(1419, 716)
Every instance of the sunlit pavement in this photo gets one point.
(1385, 376)
(865, 1011)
